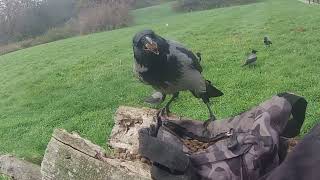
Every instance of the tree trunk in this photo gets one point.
(68, 156)
(18, 169)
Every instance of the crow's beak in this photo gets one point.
(151, 46)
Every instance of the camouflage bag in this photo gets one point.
(303, 161)
(246, 146)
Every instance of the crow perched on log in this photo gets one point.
(170, 68)
(252, 58)
(267, 41)
(157, 97)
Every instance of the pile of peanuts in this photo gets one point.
(194, 145)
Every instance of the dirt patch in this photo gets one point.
(299, 29)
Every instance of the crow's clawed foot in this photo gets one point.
(163, 113)
(153, 130)
(206, 132)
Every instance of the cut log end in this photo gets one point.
(68, 156)
(15, 168)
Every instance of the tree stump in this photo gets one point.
(128, 121)
(18, 169)
(68, 156)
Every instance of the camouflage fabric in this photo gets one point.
(302, 163)
(254, 137)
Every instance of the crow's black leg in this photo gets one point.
(174, 96)
(163, 97)
(211, 115)
(166, 110)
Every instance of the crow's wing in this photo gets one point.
(267, 40)
(189, 67)
(137, 69)
(184, 56)
(252, 58)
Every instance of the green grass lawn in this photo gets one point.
(3, 177)
(153, 14)
(78, 83)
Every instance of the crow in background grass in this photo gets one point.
(170, 68)
(157, 97)
(267, 41)
(252, 58)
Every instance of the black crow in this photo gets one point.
(157, 97)
(252, 58)
(267, 41)
(170, 68)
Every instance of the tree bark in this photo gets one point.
(19, 169)
(68, 156)
(128, 121)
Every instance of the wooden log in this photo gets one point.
(128, 121)
(18, 169)
(68, 156)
